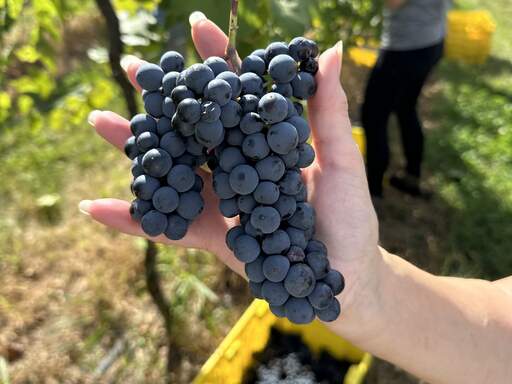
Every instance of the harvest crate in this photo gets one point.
(250, 334)
(469, 36)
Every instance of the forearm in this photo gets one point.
(444, 330)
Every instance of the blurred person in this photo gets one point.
(442, 329)
(411, 45)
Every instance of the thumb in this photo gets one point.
(328, 109)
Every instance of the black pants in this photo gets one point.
(394, 85)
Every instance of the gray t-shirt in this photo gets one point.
(416, 24)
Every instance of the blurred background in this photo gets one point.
(79, 303)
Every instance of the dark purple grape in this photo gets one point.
(130, 148)
(299, 311)
(229, 207)
(276, 243)
(282, 137)
(177, 227)
(189, 110)
(255, 146)
(300, 280)
(321, 296)
(274, 293)
(246, 203)
(318, 263)
(139, 208)
(286, 205)
(217, 64)
(232, 235)
(144, 187)
(272, 108)
(234, 82)
(219, 91)
(181, 177)
(165, 199)
(270, 168)
(243, 179)
(142, 123)
(191, 205)
(254, 270)
(172, 61)
(149, 76)
(330, 313)
(304, 85)
(265, 219)
(230, 158)
(253, 64)
(282, 68)
(295, 254)
(154, 223)
(275, 268)
(156, 162)
(266, 193)
(197, 76)
(246, 248)
(304, 216)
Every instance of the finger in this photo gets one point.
(131, 64)
(208, 38)
(112, 127)
(328, 108)
(115, 214)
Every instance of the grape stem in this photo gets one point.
(233, 28)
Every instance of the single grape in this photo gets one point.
(139, 208)
(144, 187)
(251, 123)
(297, 237)
(251, 84)
(270, 168)
(276, 243)
(299, 311)
(229, 207)
(221, 186)
(153, 223)
(251, 231)
(177, 227)
(142, 123)
(189, 110)
(153, 103)
(149, 76)
(235, 137)
(130, 148)
(272, 108)
(243, 179)
(197, 76)
(169, 82)
(282, 137)
(181, 92)
(246, 248)
(275, 268)
(286, 205)
(282, 68)
(304, 216)
(306, 155)
(254, 64)
(146, 141)
(260, 53)
(234, 82)
(173, 144)
(291, 108)
(254, 270)
(302, 196)
(300, 49)
(172, 61)
(163, 126)
(218, 90)
(316, 246)
(266, 193)
(300, 280)
(304, 85)
(291, 183)
(249, 103)
(209, 134)
(335, 280)
(136, 167)
(301, 126)
(232, 235)
(321, 296)
(156, 162)
(210, 111)
(284, 89)
(217, 64)
(230, 158)
(165, 199)
(265, 219)
(330, 313)
(277, 310)
(191, 205)
(231, 114)
(290, 159)
(255, 146)
(295, 254)
(181, 177)
(274, 49)
(246, 203)
(274, 293)
(318, 263)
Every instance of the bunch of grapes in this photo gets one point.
(250, 131)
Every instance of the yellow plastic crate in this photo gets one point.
(251, 333)
(469, 36)
(360, 139)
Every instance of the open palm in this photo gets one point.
(336, 181)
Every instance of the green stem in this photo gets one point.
(233, 28)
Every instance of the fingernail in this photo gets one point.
(84, 206)
(195, 17)
(127, 60)
(339, 49)
(92, 117)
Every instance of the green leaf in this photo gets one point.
(27, 53)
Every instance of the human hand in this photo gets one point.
(336, 181)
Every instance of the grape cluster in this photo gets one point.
(250, 131)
